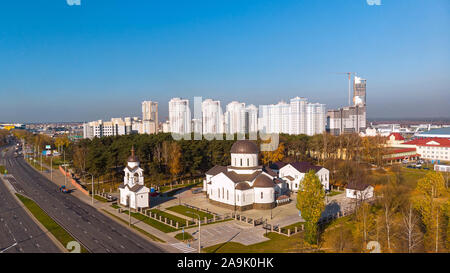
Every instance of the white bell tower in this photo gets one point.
(133, 173)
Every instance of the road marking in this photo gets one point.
(183, 247)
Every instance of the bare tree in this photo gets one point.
(410, 228)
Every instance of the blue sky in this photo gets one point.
(102, 58)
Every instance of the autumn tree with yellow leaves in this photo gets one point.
(273, 156)
(310, 202)
(430, 188)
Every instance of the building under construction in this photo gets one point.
(350, 119)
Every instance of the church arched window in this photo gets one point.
(261, 195)
(241, 162)
(227, 195)
(248, 162)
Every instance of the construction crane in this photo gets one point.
(349, 85)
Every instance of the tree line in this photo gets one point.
(163, 158)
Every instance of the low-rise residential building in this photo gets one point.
(360, 191)
(293, 174)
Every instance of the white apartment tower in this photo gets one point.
(234, 117)
(297, 116)
(179, 116)
(212, 117)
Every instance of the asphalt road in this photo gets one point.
(18, 232)
(97, 232)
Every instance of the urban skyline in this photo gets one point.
(217, 50)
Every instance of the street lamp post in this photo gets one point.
(92, 187)
(199, 230)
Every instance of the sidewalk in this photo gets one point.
(58, 179)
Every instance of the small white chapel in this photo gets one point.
(133, 192)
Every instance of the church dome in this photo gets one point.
(263, 181)
(244, 147)
(242, 186)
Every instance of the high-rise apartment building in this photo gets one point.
(351, 119)
(235, 117)
(149, 117)
(180, 116)
(359, 91)
(251, 119)
(297, 117)
(212, 117)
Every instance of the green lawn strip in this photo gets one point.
(181, 221)
(151, 236)
(292, 227)
(115, 206)
(60, 233)
(2, 169)
(277, 244)
(101, 199)
(184, 211)
(151, 222)
(168, 188)
(333, 193)
(187, 236)
(37, 166)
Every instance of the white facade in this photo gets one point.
(251, 119)
(243, 184)
(297, 117)
(365, 194)
(212, 117)
(433, 151)
(100, 128)
(180, 116)
(293, 176)
(315, 118)
(234, 117)
(133, 192)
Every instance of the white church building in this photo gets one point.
(244, 184)
(133, 192)
(247, 185)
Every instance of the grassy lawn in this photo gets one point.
(181, 221)
(292, 227)
(37, 166)
(168, 188)
(277, 244)
(409, 176)
(333, 193)
(184, 211)
(101, 199)
(60, 233)
(2, 169)
(115, 206)
(151, 236)
(187, 236)
(151, 222)
(54, 163)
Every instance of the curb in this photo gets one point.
(46, 232)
